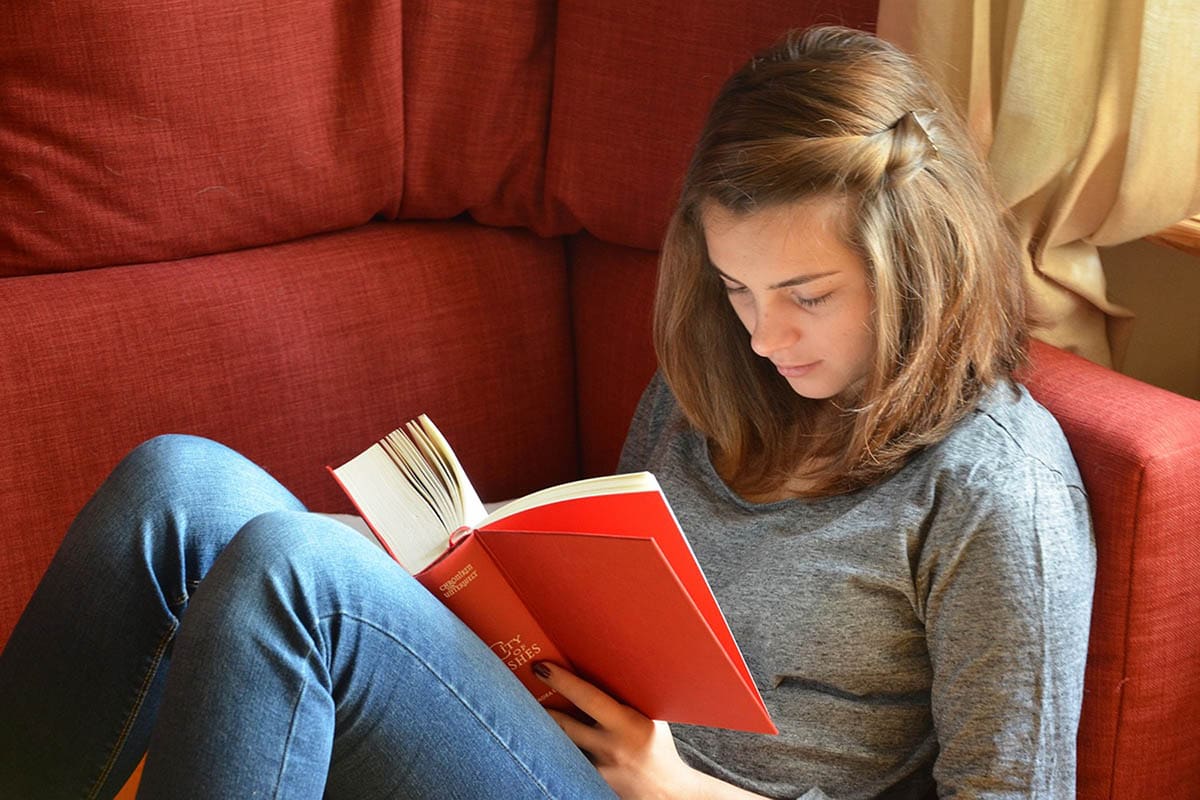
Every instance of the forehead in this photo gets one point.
(825, 211)
(800, 236)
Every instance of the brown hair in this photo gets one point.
(834, 112)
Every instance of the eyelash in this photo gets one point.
(803, 302)
(810, 302)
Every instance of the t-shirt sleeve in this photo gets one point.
(1005, 577)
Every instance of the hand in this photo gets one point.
(633, 753)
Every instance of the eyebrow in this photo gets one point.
(794, 281)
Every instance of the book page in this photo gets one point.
(628, 483)
(472, 513)
(400, 517)
(425, 476)
(413, 493)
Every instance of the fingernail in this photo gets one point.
(541, 670)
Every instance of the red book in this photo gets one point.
(594, 575)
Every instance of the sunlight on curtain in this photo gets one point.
(1090, 115)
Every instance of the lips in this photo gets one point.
(796, 370)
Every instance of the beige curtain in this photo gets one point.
(1090, 115)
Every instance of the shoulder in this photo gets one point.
(1003, 487)
(657, 401)
(1001, 481)
(1007, 437)
(657, 413)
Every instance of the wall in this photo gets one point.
(1161, 285)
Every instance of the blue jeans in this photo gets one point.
(303, 662)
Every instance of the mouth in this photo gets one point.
(796, 370)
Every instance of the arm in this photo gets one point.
(1007, 586)
(634, 754)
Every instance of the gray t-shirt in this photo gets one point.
(932, 627)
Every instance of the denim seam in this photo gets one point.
(453, 692)
(182, 600)
(138, 700)
(290, 737)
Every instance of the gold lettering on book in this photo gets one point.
(458, 581)
(516, 653)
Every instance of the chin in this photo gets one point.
(849, 391)
(815, 390)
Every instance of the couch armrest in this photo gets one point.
(1138, 449)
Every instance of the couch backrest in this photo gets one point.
(135, 133)
(622, 127)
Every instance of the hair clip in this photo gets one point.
(915, 114)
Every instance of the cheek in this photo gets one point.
(863, 334)
(856, 334)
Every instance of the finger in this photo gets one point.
(585, 737)
(591, 700)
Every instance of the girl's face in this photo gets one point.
(801, 291)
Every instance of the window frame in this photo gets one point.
(1184, 235)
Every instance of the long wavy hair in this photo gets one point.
(837, 113)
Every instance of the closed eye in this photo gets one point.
(810, 302)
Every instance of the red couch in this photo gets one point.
(290, 226)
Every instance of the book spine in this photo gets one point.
(471, 585)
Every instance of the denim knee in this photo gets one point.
(174, 461)
(172, 505)
(287, 568)
(171, 470)
(300, 543)
(310, 560)
(295, 538)
(169, 448)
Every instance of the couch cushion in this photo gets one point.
(477, 80)
(1138, 449)
(632, 84)
(298, 355)
(148, 131)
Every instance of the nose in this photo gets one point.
(773, 332)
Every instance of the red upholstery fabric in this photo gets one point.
(633, 81)
(480, 146)
(1138, 450)
(146, 131)
(612, 294)
(298, 355)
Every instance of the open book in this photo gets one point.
(594, 575)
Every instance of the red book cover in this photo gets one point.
(614, 583)
(469, 583)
